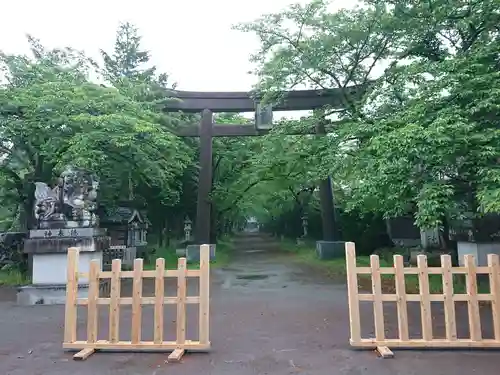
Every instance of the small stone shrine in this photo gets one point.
(66, 218)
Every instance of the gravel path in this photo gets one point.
(267, 317)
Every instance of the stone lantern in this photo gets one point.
(134, 236)
(305, 224)
(187, 229)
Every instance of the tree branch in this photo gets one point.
(347, 101)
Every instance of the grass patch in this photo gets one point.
(13, 277)
(222, 256)
(336, 269)
(167, 253)
(223, 252)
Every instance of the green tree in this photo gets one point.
(52, 116)
(423, 138)
(129, 70)
(434, 143)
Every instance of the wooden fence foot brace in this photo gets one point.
(384, 352)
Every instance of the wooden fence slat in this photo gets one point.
(449, 303)
(472, 304)
(146, 274)
(401, 297)
(425, 303)
(494, 265)
(71, 295)
(136, 302)
(494, 276)
(114, 306)
(181, 302)
(436, 343)
(92, 314)
(159, 291)
(378, 307)
(204, 317)
(414, 270)
(143, 345)
(144, 301)
(394, 298)
(177, 354)
(352, 291)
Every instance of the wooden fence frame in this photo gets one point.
(137, 300)
(448, 297)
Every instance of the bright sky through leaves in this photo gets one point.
(192, 40)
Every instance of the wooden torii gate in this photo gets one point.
(207, 103)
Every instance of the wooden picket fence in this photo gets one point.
(115, 301)
(448, 297)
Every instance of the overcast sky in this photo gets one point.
(192, 40)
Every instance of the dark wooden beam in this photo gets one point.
(235, 130)
(297, 100)
(203, 208)
(222, 130)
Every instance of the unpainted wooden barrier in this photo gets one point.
(115, 301)
(448, 297)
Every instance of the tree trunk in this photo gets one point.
(160, 235)
(213, 223)
(444, 234)
(166, 231)
(27, 219)
(24, 222)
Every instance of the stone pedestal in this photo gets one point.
(480, 250)
(47, 294)
(49, 249)
(193, 253)
(51, 268)
(330, 249)
(126, 254)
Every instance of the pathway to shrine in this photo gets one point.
(268, 316)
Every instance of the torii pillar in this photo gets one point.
(203, 206)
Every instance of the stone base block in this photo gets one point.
(480, 250)
(50, 294)
(193, 253)
(50, 269)
(129, 256)
(330, 249)
(181, 252)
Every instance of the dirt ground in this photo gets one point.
(268, 316)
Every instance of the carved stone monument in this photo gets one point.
(66, 218)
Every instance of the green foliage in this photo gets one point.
(424, 137)
(129, 70)
(336, 270)
(13, 277)
(223, 255)
(167, 253)
(52, 115)
(420, 137)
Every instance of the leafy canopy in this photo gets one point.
(53, 115)
(424, 138)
